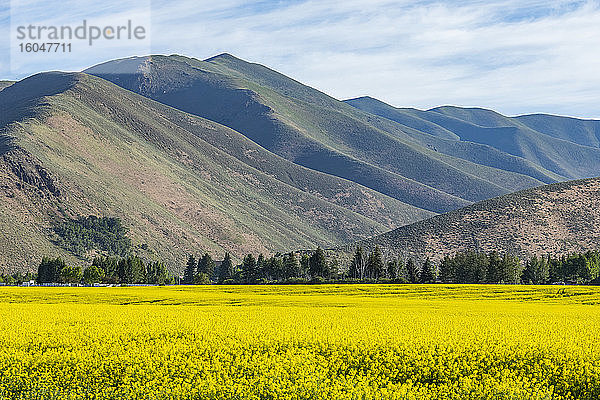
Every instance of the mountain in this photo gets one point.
(5, 84)
(314, 130)
(567, 147)
(559, 218)
(73, 144)
(227, 155)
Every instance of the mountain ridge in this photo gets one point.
(557, 150)
(112, 152)
(322, 133)
(225, 155)
(557, 219)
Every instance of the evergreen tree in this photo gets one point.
(318, 264)
(43, 274)
(249, 269)
(132, 270)
(427, 273)
(471, 267)
(375, 264)
(110, 268)
(402, 271)
(511, 269)
(304, 265)
(190, 270)
(226, 271)
(537, 271)
(49, 270)
(448, 270)
(392, 269)
(291, 266)
(262, 267)
(206, 266)
(555, 269)
(412, 272)
(274, 268)
(495, 272)
(156, 273)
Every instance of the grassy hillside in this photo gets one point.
(554, 146)
(584, 132)
(5, 84)
(312, 129)
(74, 144)
(225, 155)
(556, 219)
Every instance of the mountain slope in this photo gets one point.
(584, 132)
(5, 84)
(565, 147)
(558, 219)
(74, 144)
(312, 129)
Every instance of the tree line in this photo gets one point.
(105, 234)
(315, 267)
(111, 270)
(17, 278)
(463, 267)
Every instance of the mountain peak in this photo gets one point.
(366, 98)
(44, 84)
(449, 107)
(223, 56)
(130, 65)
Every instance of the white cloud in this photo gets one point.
(509, 55)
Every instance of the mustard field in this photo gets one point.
(300, 342)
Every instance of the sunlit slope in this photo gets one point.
(74, 144)
(555, 219)
(5, 84)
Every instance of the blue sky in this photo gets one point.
(512, 56)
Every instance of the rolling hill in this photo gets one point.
(226, 155)
(5, 84)
(317, 131)
(73, 144)
(558, 219)
(568, 147)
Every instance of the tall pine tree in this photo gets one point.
(291, 266)
(249, 270)
(190, 270)
(318, 264)
(375, 264)
(206, 266)
(226, 270)
(412, 271)
(358, 264)
(427, 272)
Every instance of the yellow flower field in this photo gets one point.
(300, 342)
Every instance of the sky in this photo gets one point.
(515, 57)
